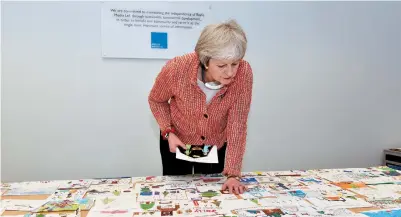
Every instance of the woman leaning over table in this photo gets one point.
(204, 97)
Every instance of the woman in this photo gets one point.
(203, 98)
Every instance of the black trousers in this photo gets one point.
(175, 167)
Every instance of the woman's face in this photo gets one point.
(223, 71)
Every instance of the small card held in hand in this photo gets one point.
(198, 153)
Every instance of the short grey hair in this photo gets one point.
(224, 41)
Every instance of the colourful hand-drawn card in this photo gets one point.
(350, 185)
(385, 203)
(150, 193)
(337, 177)
(249, 181)
(194, 151)
(68, 194)
(290, 205)
(75, 184)
(229, 205)
(66, 205)
(209, 180)
(312, 180)
(21, 205)
(149, 179)
(259, 211)
(382, 180)
(289, 173)
(182, 186)
(110, 213)
(61, 214)
(200, 154)
(115, 203)
(254, 174)
(213, 192)
(3, 190)
(112, 190)
(384, 213)
(336, 202)
(30, 191)
(179, 179)
(284, 186)
(111, 181)
(177, 207)
(396, 188)
(374, 193)
(32, 185)
(269, 179)
(256, 191)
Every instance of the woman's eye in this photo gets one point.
(221, 66)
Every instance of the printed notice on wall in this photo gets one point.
(155, 30)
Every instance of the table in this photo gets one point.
(347, 191)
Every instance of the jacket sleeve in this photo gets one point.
(161, 93)
(237, 127)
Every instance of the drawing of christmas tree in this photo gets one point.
(165, 193)
(147, 205)
(209, 194)
(146, 191)
(216, 202)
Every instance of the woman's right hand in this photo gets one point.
(174, 142)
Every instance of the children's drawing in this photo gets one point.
(385, 203)
(384, 213)
(349, 185)
(109, 190)
(3, 190)
(210, 194)
(297, 193)
(111, 213)
(269, 179)
(310, 180)
(196, 151)
(75, 184)
(249, 181)
(21, 205)
(32, 185)
(70, 194)
(289, 173)
(113, 203)
(75, 214)
(111, 181)
(338, 203)
(66, 205)
(255, 192)
(262, 212)
(29, 191)
(149, 179)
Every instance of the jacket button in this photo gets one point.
(203, 138)
(205, 115)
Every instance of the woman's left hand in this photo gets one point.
(234, 186)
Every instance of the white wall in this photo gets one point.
(327, 90)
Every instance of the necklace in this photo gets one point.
(210, 85)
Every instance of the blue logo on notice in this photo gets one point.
(158, 40)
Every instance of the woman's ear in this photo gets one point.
(206, 65)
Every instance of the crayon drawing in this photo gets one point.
(66, 205)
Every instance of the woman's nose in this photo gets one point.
(230, 71)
